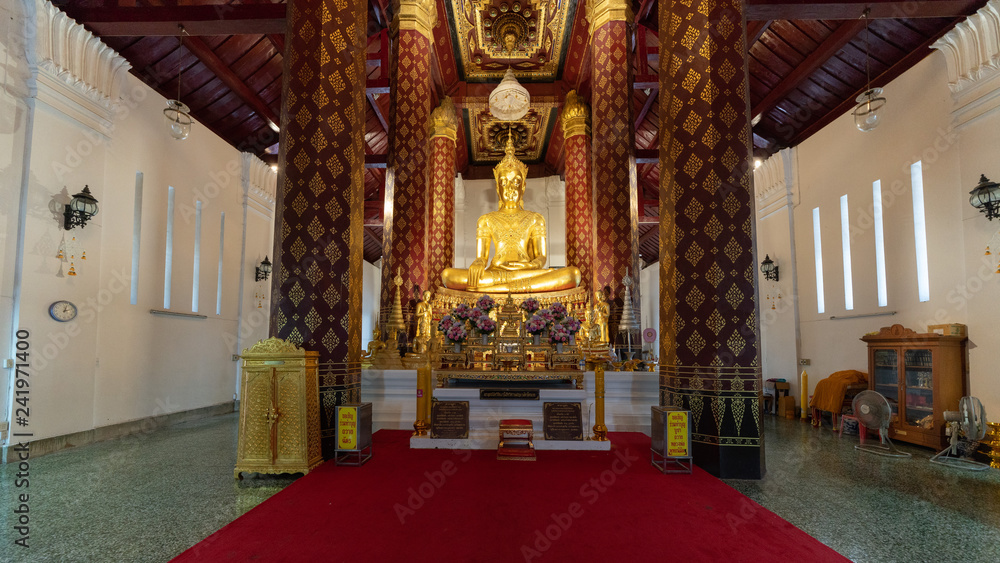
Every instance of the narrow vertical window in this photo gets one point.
(845, 241)
(196, 271)
(136, 232)
(818, 249)
(883, 298)
(169, 261)
(920, 231)
(222, 246)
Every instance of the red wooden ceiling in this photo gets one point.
(806, 65)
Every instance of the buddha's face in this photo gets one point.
(510, 42)
(427, 297)
(511, 188)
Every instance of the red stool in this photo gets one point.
(861, 427)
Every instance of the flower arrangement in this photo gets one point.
(571, 324)
(456, 333)
(461, 312)
(558, 311)
(559, 334)
(530, 305)
(535, 324)
(546, 315)
(485, 324)
(485, 303)
(446, 322)
(476, 313)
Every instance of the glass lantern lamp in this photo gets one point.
(866, 113)
(178, 118)
(986, 197)
(80, 209)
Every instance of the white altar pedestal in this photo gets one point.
(627, 398)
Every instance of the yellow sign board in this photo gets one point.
(347, 428)
(677, 434)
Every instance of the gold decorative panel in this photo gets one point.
(490, 134)
(528, 36)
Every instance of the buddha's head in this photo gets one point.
(510, 176)
(427, 297)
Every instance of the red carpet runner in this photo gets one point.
(443, 505)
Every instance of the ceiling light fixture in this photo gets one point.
(866, 116)
(178, 115)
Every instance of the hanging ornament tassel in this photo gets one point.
(987, 250)
(84, 255)
(71, 271)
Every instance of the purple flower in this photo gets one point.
(461, 312)
(476, 313)
(529, 305)
(546, 315)
(571, 324)
(535, 324)
(456, 333)
(558, 335)
(558, 310)
(445, 323)
(486, 303)
(485, 324)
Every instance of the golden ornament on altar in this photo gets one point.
(518, 265)
(602, 311)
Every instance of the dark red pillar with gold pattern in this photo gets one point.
(575, 119)
(708, 316)
(615, 189)
(317, 289)
(404, 244)
(441, 209)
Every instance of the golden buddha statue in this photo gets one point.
(602, 310)
(518, 265)
(424, 314)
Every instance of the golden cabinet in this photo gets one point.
(921, 375)
(279, 410)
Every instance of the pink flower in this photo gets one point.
(456, 333)
(558, 310)
(486, 303)
(461, 312)
(535, 325)
(571, 325)
(485, 324)
(529, 305)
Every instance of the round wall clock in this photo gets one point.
(62, 311)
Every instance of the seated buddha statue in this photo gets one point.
(518, 264)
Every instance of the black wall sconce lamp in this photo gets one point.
(769, 269)
(986, 197)
(80, 209)
(264, 270)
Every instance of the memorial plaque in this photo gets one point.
(562, 421)
(450, 420)
(508, 394)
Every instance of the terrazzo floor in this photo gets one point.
(151, 496)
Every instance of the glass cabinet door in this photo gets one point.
(919, 388)
(886, 377)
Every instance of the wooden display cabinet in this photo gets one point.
(921, 375)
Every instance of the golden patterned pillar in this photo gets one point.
(404, 243)
(615, 186)
(575, 118)
(708, 315)
(318, 248)
(441, 209)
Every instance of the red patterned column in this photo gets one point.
(615, 188)
(441, 216)
(318, 248)
(404, 244)
(579, 189)
(708, 316)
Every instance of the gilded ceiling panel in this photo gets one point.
(530, 134)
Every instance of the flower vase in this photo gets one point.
(458, 347)
(485, 339)
(559, 347)
(538, 339)
(572, 340)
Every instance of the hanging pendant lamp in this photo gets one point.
(177, 114)
(866, 113)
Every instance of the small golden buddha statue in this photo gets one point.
(424, 314)
(518, 265)
(601, 313)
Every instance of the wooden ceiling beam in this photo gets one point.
(228, 19)
(755, 29)
(852, 9)
(820, 56)
(208, 57)
(648, 235)
(890, 74)
(653, 94)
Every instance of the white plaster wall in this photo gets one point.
(649, 295)
(778, 343)
(841, 160)
(117, 362)
(16, 109)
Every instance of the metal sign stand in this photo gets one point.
(670, 451)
